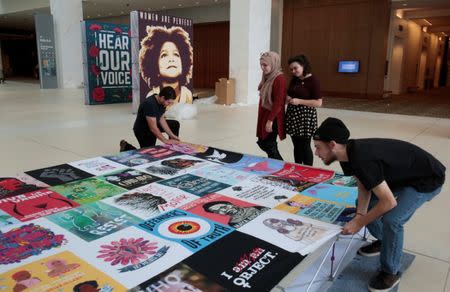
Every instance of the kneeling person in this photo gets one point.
(150, 121)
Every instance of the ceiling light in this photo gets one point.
(179, 5)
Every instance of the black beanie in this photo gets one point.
(332, 129)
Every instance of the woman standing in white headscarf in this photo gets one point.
(272, 96)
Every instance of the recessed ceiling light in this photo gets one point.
(179, 5)
(164, 7)
(405, 4)
(99, 15)
(197, 2)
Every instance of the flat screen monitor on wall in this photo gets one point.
(348, 67)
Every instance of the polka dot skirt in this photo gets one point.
(301, 120)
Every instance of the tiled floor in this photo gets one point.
(39, 128)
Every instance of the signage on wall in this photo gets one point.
(107, 62)
(162, 55)
(46, 50)
(348, 67)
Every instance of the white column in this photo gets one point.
(66, 18)
(249, 37)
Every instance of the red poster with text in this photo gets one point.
(304, 173)
(36, 204)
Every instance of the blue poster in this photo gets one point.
(337, 194)
(257, 165)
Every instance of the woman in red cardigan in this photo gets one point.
(272, 96)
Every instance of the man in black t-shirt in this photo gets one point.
(394, 178)
(150, 121)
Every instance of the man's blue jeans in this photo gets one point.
(389, 227)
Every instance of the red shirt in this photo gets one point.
(277, 112)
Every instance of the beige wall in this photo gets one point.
(413, 41)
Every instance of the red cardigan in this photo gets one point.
(277, 112)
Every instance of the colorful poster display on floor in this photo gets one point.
(182, 217)
(107, 62)
(162, 55)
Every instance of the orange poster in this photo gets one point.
(61, 272)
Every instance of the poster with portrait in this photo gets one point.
(225, 210)
(291, 232)
(179, 278)
(107, 62)
(150, 200)
(162, 55)
(60, 272)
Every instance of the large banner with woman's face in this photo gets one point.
(162, 55)
(107, 61)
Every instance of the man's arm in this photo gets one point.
(166, 128)
(386, 202)
(307, 102)
(151, 121)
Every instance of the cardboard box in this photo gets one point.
(225, 90)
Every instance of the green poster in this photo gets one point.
(93, 221)
(88, 190)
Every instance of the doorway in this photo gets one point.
(396, 66)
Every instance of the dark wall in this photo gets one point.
(211, 53)
(20, 56)
(331, 30)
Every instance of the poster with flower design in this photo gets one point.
(132, 255)
(61, 272)
(107, 62)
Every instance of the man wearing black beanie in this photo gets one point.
(394, 179)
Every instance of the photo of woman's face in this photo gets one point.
(169, 61)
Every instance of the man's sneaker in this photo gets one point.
(384, 282)
(371, 250)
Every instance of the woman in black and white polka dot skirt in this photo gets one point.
(303, 97)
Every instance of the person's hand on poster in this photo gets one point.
(269, 126)
(172, 141)
(353, 226)
(173, 137)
